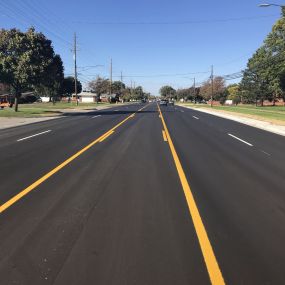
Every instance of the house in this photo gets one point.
(86, 97)
(110, 98)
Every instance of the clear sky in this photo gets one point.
(153, 42)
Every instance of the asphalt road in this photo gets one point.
(131, 196)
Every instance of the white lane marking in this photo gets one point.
(182, 111)
(33, 135)
(96, 116)
(240, 140)
(195, 117)
(265, 152)
(117, 110)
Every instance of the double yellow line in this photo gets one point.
(33, 186)
(213, 269)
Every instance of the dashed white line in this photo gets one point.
(96, 116)
(33, 135)
(265, 152)
(182, 111)
(195, 117)
(239, 139)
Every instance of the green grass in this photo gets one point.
(266, 112)
(47, 109)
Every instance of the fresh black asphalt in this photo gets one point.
(117, 213)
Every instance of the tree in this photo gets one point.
(255, 81)
(127, 96)
(233, 92)
(54, 79)
(99, 86)
(68, 87)
(167, 91)
(264, 73)
(118, 87)
(219, 87)
(24, 59)
(138, 93)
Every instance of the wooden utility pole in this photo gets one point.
(111, 76)
(122, 86)
(212, 83)
(194, 85)
(75, 68)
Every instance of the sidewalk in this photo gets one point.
(267, 126)
(14, 122)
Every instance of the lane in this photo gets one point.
(69, 120)
(22, 163)
(240, 194)
(263, 140)
(116, 215)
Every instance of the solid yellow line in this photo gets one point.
(30, 188)
(164, 135)
(106, 136)
(213, 268)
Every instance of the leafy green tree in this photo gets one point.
(118, 87)
(255, 81)
(68, 86)
(167, 92)
(138, 93)
(54, 79)
(24, 59)
(233, 93)
(127, 96)
(264, 73)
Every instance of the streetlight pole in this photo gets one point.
(265, 5)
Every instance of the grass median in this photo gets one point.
(273, 114)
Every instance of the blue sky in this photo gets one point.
(154, 42)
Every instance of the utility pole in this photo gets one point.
(75, 68)
(194, 89)
(122, 87)
(111, 76)
(212, 83)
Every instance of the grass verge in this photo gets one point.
(267, 113)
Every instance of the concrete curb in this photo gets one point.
(266, 126)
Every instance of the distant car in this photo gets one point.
(163, 103)
(171, 103)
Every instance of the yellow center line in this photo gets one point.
(164, 135)
(30, 188)
(106, 136)
(211, 262)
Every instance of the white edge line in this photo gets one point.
(96, 116)
(33, 136)
(195, 117)
(240, 140)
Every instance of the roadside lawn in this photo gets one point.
(47, 109)
(268, 113)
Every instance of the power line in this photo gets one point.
(22, 15)
(186, 22)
